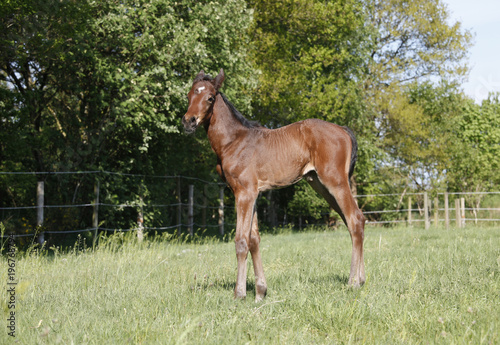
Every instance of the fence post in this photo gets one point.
(179, 207)
(426, 210)
(271, 214)
(409, 210)
(457, 213)
(436, 211)
(39, 210)
(221, 210)
(446, 215)
(190, 210)
(204, 209)
(462, 207)
(95, 214)
(140, 221)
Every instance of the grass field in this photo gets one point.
(423, 287)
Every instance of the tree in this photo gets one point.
(310, 55)
(419, 57)
(415, 41)
(78, 78)
(475, 155)
(102, 84)
(419, 129)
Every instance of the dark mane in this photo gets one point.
(237, 114)
(206, 77)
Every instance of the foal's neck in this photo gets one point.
(223, 128)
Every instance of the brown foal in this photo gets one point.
(252, 159)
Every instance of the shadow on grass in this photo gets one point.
(223, 284)
(229, 285)
(337, 279)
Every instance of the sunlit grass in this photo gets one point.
(423, 286)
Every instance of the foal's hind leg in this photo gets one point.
(260, 279)
(338, 194)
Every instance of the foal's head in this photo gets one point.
(201, 100)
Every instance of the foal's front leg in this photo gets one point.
(260, 279)
(245, 202)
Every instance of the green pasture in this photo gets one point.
(432, 286)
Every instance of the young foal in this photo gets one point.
(252, 159)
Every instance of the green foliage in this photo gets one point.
(104, 83)
(101, 85)
(475, 157)
(416, 40)
(310, 55)
(418, 58)
(419, 128)
(306, 202)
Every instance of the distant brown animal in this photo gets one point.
(253, 159)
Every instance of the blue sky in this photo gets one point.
(482, 17)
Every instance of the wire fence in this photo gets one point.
(61, 203)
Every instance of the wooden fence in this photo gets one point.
(40, 206)
(435, 211)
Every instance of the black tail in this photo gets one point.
(354, 152)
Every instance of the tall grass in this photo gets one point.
(423, 287)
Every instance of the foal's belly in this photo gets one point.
(277, 173)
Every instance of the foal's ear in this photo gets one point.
(218, 80)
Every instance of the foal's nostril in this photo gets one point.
(193, 120)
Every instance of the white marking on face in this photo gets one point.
(201, 88)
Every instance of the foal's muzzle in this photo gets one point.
(190, 125)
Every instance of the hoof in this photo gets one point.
(259, 297)
(354, 283)
(239, 294)
(260, 292)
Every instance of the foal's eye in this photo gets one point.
(211, 99)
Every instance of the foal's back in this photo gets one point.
(283, 156)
